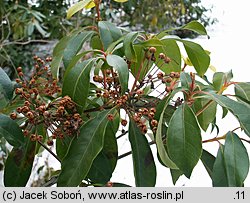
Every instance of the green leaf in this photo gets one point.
(164, 157)
(100, 171)
(208, 115)
(208, 161)
(141, 63)
(220, 78)
(219, 175)
(58, 55)
(242, 90)
(6, 86)
(3, 100)
(240, 110)
(129, 47)
(197, 55)
(196, 27)
(153, 42)
(109, 33)
(143, 160)
(62, 146)
(83, 150)
(77, 7)
(74, 60)
(236, 160)
(184, 139)
(11, 131)
(19, 164)
(105, 162)
(77, 82)
(176, 174)
(74, 46)
(121, 67)
(185, 80)
(96, 42)
(171, 50)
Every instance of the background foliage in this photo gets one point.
(29, 26)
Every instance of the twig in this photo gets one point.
(121, 135)
(214, 139)
(52, 153)
(248, 141)
(130, 152)
(204, 108)
(26, 42)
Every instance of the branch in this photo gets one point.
(26, 42)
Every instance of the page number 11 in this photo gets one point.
(240, 195)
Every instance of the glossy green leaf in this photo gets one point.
(6, 86)
(75, 59)
(240, 110)
(219, 79)
(19, 164)
(143, 160)
(74, 46)
(236, 160)
(164, 157)
(198, 56)
(219, 175)
(185, 80)
(3, 100)
(100, 171)
(129, 47)
(242, 91)
(77, 82)
(105, 162)
(11, 131)
(109, 33)
(77, 7)
(141, 64)
(196, 27)
(58, 55)
(224, 112)
(62, 146)
(83, 150)
(153, 42)
(96, 42)
(208, 115)
(208, 161)
(232, 163)
(121, 67)
(170, 49)
(184, 139)
(175, 174)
